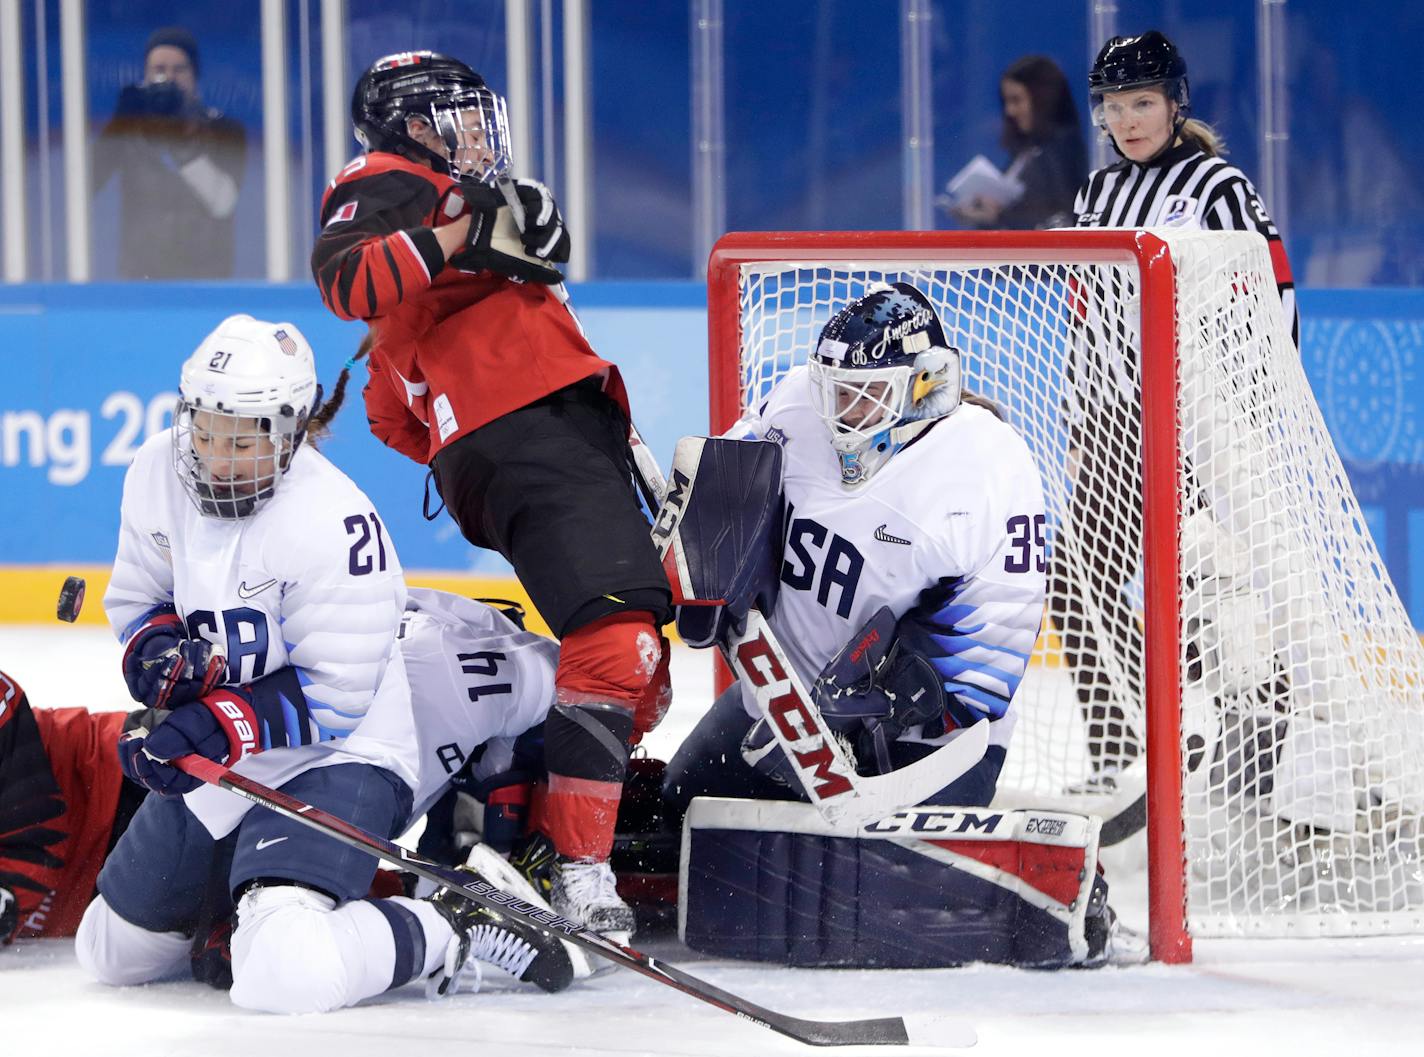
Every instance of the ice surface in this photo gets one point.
(1261, 997)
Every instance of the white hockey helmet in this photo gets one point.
(881, 372)
(245, 397)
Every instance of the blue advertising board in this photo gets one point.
(90, 371)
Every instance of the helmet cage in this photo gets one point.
(857, 404)
(231, 463)
(245, 397)
(474, 127)
(873, 412)
(881, 371)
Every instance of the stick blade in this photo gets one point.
(923, 1033)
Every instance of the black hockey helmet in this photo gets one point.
(881, 329)
(1128, 63)
(447, 95)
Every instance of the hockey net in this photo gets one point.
(1221, 629)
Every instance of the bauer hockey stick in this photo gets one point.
(754, 655)
(929, 1029)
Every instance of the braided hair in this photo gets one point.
(319, 425)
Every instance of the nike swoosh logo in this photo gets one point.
(269, 842)
(244, 591)
(885, 537)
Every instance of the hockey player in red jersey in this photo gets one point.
(63, 802)
(480, 371)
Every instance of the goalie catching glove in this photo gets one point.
(872, 691)
(495, 242)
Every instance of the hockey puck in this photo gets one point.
(71, 599)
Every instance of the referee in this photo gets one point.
(1171, 173)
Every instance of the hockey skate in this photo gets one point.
(588, 892)
(487, 937)
(492, 866)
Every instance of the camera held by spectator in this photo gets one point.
(179, 164)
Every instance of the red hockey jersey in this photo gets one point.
(59, 792)
(453, 350)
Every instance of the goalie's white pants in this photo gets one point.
(293, 951)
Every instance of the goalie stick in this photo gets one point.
(929, 1030)
(753, 653)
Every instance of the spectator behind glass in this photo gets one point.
(1046, 150)
(179, 165)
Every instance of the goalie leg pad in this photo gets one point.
(719, 532)
(927, 887)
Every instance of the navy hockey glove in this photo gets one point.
(879, 682)
(480, 252)
(164, 668)
(222, 727)
(541, 227)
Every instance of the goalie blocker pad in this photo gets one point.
(924, 888)
(719, 533)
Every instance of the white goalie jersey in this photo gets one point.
(953, 523)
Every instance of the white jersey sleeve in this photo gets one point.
(142, 577)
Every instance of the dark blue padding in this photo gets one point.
(274, 848)
(730, 532)
(797, 899)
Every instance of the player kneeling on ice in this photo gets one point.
(259, 601)
(891, 530)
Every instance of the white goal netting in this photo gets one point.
(1301, 679)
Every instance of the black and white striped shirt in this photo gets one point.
(1185, 187)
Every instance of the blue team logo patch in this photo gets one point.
(161, 539)
(776, 435)
(1179, 211)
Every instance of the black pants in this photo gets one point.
(550, 487)
(1095, 556)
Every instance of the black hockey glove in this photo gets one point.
(486, 248)
(541, 227)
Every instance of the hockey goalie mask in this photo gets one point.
(245, 397)
(881, 373)
(429, 106)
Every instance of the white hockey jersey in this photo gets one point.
(954, 522)
(309, 581)
(475, 678)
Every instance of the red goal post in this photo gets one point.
(1181, 337)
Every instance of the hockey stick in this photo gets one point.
(756, 657)
(882, 1031)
